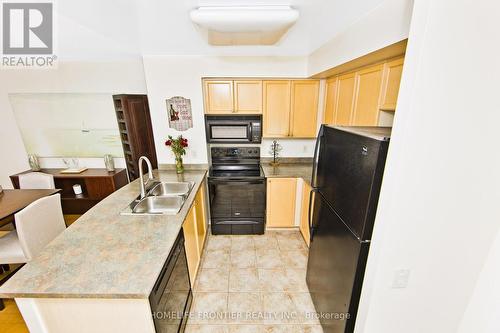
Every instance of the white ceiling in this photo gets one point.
(110, 29)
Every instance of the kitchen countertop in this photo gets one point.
(289, 170)
(105, 254)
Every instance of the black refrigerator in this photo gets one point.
(347, 174)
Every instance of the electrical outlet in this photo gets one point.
(401, 277)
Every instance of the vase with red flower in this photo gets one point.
(178, 147)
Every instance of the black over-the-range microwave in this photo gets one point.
(233, 129)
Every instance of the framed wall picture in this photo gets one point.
(179, 113)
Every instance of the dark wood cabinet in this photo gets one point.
(96, 185)
(136, 131)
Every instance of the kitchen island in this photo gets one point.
(98, 274)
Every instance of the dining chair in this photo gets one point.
(36, 226)
(36, 180)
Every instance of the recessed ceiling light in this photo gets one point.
(244, 25)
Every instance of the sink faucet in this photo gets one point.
(141, 174)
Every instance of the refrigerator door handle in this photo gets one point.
(316, 156)
(309, 217)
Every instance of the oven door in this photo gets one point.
(237, 205)
(230, 132)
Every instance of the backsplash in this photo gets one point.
(289, 160)
(291, 147)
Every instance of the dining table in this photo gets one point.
(12, 201)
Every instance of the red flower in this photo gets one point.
(184, 142)
(168, 143)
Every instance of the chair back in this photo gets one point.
(36, 180)
(39, 223)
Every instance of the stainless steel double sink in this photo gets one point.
(161, 198)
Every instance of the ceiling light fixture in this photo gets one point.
(244, 25)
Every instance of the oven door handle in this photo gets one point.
(239, 181)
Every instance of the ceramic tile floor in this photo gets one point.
(253, 284)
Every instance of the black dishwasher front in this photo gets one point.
(171, 296)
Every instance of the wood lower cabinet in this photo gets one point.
(281, 202)
(218, 96)
(304, 108)
(191, 244)
(201, 217)
(96, 185)
(304, 215)
(390, 88)
(367, 96)
(195, 230)
(276, 108)
(248, 96)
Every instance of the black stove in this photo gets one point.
(237, 189)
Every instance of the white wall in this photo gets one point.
(385, 25)
(482, 311)
(168, 76)
(438, 214)
(125, 76)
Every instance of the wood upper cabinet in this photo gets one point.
(281, 202)
(218, 96)
(304, 108)
(390, 87)
(345, 99)
(248, 96)
(330, 107)
(356, 98)
(276, 108)
(304, 216)
(228, 96)
(367, 96)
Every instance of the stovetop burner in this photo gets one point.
(236, 162)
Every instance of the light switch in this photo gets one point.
(401, 277)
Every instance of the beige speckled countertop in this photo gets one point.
(105, 254)
(289, 170)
